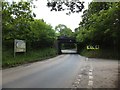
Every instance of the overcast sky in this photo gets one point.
(54, 18)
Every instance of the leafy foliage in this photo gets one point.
(63, 30)
(42, 33)
(71, 6)
(16, 18)
(19, 23)
(100, 24)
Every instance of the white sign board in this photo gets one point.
(20, 46)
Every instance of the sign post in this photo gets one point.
(19, 46)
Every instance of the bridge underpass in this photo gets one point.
(67, 45)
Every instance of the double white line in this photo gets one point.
(90, 75)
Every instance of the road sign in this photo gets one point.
(19, 46)
(96, 47)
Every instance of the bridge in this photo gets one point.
(62, 40)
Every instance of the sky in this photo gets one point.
(54, 18)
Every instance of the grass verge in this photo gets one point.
(8, 60)
(102, 53)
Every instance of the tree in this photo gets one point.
(16, 18)
(100, 24)
(42, 33)
(19, 23)
(64, 30)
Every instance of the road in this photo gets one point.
(63, 71)
(69, 51)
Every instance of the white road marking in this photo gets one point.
(90, 77)
(90, 73)
(78, 80)
(86, 59)
(91, 70)
(80, 76)
(73, 85)
(90, 83)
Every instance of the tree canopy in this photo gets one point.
(100, 24)
(19, 23)
(63, 30)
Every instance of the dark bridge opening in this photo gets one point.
(67, 45)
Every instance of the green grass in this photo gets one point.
(102, 53)
(8, 59)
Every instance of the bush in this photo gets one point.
(21, 58)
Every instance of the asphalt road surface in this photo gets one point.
(69, 51)
(63, 71)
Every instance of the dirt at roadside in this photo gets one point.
(99, 73)
(105, 73)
